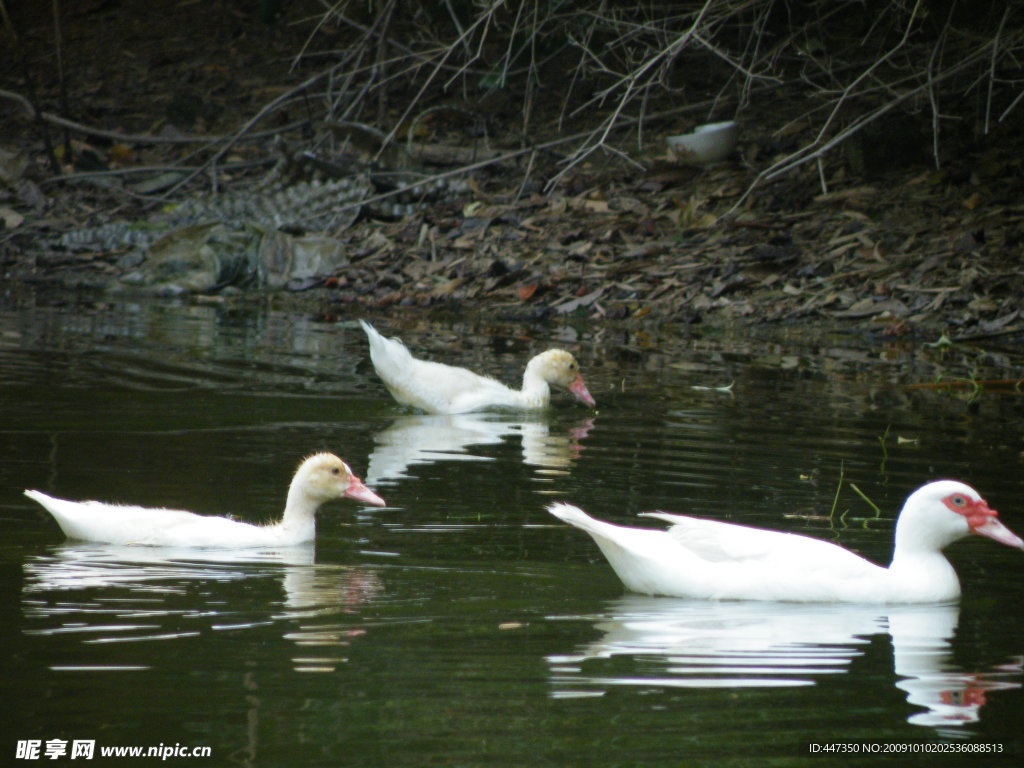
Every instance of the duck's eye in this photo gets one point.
(335, 471)
(959, 501)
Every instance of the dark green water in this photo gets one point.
(460, 625)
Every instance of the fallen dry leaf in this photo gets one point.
(526, 291)
(10, 218)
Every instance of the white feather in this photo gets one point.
(723, 561)
(318, 479)
(446, 389)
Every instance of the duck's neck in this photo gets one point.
(300, 514)
(535, 392)
(921, 572)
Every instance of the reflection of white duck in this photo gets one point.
(146, 576)
(428, 438)
(320, 478)
(439, 388)
(717, 560)
(923, 661)
(88, 565)
(761, 644)
(320, 605)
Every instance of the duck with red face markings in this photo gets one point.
(724, 561)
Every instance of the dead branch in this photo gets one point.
(88, 130)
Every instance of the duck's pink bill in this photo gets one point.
(360, 492)
(983, 520)
(994, 529)
(579, 389)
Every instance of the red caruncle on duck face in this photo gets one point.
(977, 511)
(982, 519)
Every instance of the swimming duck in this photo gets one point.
(320, 478)
(439, 388)
(724, 561)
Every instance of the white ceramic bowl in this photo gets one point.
(707, 144)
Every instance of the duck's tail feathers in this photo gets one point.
(388, 355)
(375, 337)
(567, 513)
(39, 497)
(60, 510)
(368, 329)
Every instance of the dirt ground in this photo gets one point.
(877, 237)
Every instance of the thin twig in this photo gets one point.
(237, 136)
(817, 148)
(62, 84)
(992, 67)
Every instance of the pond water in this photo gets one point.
(461, 625)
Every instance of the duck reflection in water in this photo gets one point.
(426, 439)
(705, 644)
(318, 608)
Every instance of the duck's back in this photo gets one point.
(716, 540)
(429, 386)
(744, 563)
(122, 524)
(110, 523)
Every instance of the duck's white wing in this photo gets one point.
(432, 387)
(720, 542)
(446, 389)
(111, 523)
(122, 524)
(723, 561)
(756, 564)
(473, 392)
(216, 532)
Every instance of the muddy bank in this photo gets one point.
(905, 253)
(874, 237)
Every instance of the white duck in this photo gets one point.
(439, 388)
(320, 478)
(724, 561)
